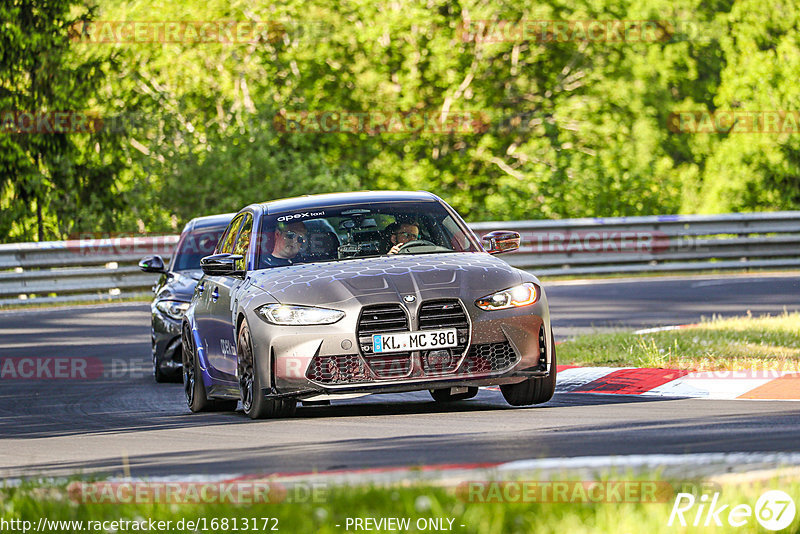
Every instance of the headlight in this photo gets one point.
(173, 308)
(282, 314)
(514, 297)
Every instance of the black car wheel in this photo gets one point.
(444, 395)
(162, 375)
(193, 386)
(158, 374)
(254, 403)
(533, 390)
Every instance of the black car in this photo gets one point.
(174, 290)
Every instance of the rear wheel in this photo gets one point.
(255, 404)
(444, 395)
(535, 390)
(193, 385)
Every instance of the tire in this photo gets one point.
(443, 395)
(162, 376)
(193, 386)
(158, 374)
(255, 404)
(535, 390)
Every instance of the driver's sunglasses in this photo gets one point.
(407, 235)
(295, 236)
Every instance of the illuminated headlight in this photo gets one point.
(514, 297)
(282, 314)
(173, 308)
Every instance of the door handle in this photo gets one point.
(215, 294)
(201, 287)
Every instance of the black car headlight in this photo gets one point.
(173, 308)
(289, 315)
(513, 297)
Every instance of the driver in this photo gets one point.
(402, 233)
(289, 239)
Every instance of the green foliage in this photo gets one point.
(739, 343)
(52, 184)
(575, 128)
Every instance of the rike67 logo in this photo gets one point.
(774, 510)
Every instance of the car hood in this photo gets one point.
(388, 278)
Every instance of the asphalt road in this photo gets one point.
(124, 422)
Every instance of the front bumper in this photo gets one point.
(504, 346)
(165, 335)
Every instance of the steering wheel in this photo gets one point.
(414, 243)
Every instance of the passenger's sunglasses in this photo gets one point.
(407, 235)
(294, 236)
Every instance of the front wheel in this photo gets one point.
(255, 404)
(193, 385)
(535, 390)
(161, 375)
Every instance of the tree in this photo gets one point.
(51, 184)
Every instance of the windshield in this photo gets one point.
(196, 245)
(360, 231)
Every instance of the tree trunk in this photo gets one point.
(39, 222)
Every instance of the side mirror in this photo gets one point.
(152, 264)
(500, 241)
(221, 265)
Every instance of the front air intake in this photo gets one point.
(489, 358)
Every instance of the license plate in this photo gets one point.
(408, 341)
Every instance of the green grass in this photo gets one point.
(321, 515)
(742, 343)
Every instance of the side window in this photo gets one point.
(243, 241)
(225, 245)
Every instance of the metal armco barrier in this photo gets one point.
(106, 268)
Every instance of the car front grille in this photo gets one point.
(437, 315)
(338, 369)
(489, 357)
(383, 319)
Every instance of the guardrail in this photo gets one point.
(80, 269)
(106, 268)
